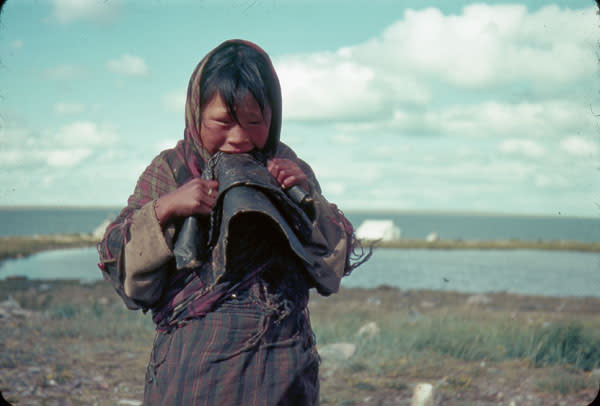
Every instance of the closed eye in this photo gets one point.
(255, 120)
(224, 121)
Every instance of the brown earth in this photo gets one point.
(66, 343)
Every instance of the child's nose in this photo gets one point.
(239, 139)
(238, 134)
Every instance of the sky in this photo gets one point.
(489, 107)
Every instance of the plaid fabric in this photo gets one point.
(250, 350)
(212, 348)
(186, 300)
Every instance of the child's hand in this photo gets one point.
(287, 173)
(197, 196)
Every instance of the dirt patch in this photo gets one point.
(67, 343)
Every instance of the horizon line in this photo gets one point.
(379, 211)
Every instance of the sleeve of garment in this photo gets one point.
(136, 250)
(332, 240)
(330, 245)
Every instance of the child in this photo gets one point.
(238, 334)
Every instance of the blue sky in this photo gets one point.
(397, 105)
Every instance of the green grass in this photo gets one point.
(19, 246)
(15, 247)
(565, 381)
(96, 321)
(490, 245)
(445, 343)
(453, 346)
(562, 343)
(566, 344)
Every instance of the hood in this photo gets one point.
(193, 113)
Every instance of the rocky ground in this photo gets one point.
(66, 343)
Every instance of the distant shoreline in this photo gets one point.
(14, 247)
(491, 245)
(393, 212)
(359, 211)
(21, 246)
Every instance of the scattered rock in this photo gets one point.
(44, 287)
(478, 300)
(10, 303)
(367, 331)
(100, 382)
(11, 309)
(413, 316)
(427, 304)
(130, 402)
(422, 395)
(341, 351)
(373, 301)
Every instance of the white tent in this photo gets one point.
(384, 230)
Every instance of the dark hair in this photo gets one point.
(232, 70)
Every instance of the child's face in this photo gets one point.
(220, 132)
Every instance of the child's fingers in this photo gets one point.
(286, 172)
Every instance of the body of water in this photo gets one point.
(30, 221)
(547, 273)
(556, 273)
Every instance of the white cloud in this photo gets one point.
(165, 144)
(542, 119)
(65, 72)
(24, 149)
(67, 158)
(488, 45)
(67, 11)
(523, 147)
(545, 180)
(174, 102)
(128, 65)
(13, 135)
(313, 87)
(344, 139)
(333, 188)
(84, 133)
(42, 157)
(427, 56)
(11, 157)
(579, 146)
(69, 108)
(325, 86)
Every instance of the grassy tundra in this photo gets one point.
(16, 247)
(64, 342)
